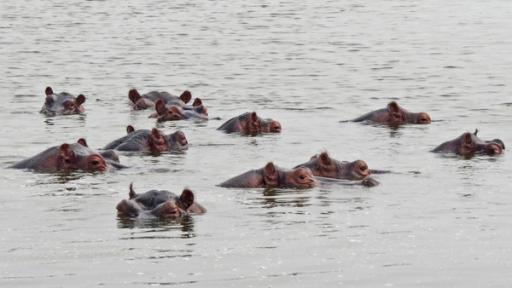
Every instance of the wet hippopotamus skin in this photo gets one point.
(469, 144)
(272, 176)
(250, 123)
(148, 100)
(159, 203)
(62, 103)
(394, 115)
(324, 166)
(152, 141)
(71, 157)
(165, 112)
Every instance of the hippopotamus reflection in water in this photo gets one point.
(159, 203)
(250, 123)
(152, 141)
(62, 103)
(148, 100)
(324, 166)
(394, 115)
(174, 113)
(71, 157)
(468, 144)
(272, 176)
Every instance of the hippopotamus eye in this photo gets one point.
(302, 177)
(95, 162)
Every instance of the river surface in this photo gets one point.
(435, 221)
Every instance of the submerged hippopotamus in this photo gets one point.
(159, 203)
(250, 123)
(468, 144)
(71, 157)
(152, 141)
(395, 115)
(272, 176)
(62, 103)
(148, 100)
(324, 166)
(174, 112)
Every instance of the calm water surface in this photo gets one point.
(435, 222)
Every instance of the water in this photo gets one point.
(436, 221)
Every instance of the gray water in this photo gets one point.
(435, 221)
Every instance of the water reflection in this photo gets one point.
(184, 224)
(284, 197)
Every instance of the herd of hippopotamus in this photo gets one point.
(162, 203)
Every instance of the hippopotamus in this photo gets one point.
(159, 203)
(71, 157)
(394, 115)
(468, 144)
(272, 176)
(250, 123)
(174, 112)
(324, 166)
(148, 100)
(62, 103)
(152, 141)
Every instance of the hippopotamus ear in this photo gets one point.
(129, 129)
(270, 173)
(186, 198)
(48, 91)
(65, 151)
(467, 138)
(254, 117)
(393, 107)
(132, 193)
(82, 142)
(186, 96)
(155, 133)
(197, 102)
(134, 95)
(325, 159)
(160, 107)
(80, 100)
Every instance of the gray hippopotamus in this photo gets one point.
(394, 115)
(468, 144)
(152, 141)
(250, 123)
(174, 112)
(62, 103)
(272, 176)
(71, 157)
(324, 166)
(148, 100)
(159, 203)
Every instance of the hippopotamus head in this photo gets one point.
(395, 115)
(468, 144)
(62, 103)
(177, 141)
(70, 157)
(272, 176)
(324, 166)
(160, 203)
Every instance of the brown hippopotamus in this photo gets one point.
(324, 166)
(71, 157)
(272, 176)
(152, 141)
(148, 100)
(159, 203)
(250, 123)
(174, 112)
(62, 103)
(468, 144)
(394, 115)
